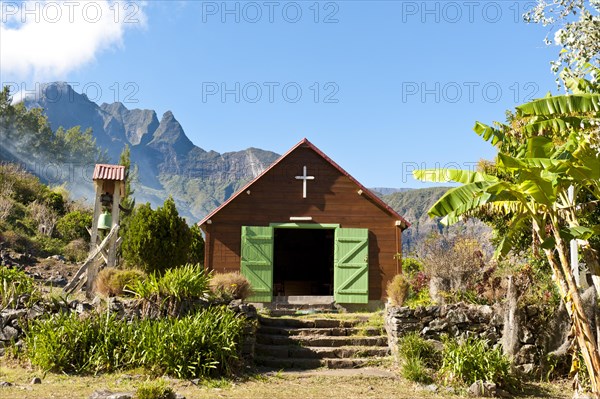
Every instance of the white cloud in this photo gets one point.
(46, 39)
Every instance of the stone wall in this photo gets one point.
(481, 321)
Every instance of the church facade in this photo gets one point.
(306, 227)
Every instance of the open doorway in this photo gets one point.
(303, 262)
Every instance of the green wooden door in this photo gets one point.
(257, 261)
(351, 266)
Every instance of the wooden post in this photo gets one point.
(97, 209)
(112, 246)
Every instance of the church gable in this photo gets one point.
(306, 227)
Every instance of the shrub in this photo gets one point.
(196, 251)
(113, 282)
(468, 360)
(156, 240)
(397, 290)
(411, 266)
(157, 389)
(230, 285)
(17, 241)
(414, 369)
(49, 246)
(74, 225)
(15, 287)
(204, 344)
(77, 250)
(175, 291)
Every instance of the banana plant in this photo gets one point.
(532, 186)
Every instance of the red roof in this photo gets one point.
(366, 192)
(109, 172)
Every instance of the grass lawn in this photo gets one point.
(344, 384)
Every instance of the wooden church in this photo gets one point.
(305, 227)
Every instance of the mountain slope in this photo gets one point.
(169, 163)
(414, 204)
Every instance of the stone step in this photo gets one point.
(322, 341)
(332, 331)
(301, 352)
(277, 363)
(309, 323)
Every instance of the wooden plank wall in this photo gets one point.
(331, 198)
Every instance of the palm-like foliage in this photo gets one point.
(549, 148)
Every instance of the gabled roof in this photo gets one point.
(109, 172)
(365, 191)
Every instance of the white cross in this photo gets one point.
(304, 178)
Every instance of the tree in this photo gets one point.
(157, 240)
(531, 186)
(196, 252)
(26, 136)
(579, 37)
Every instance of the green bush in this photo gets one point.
(196, 250)
(411, 266)
(77, 250)
(418, 358)
(74, 225)
(157, 389)
(156, 240)
(15, 285)
(397, 290)
(465, 361)
(49, 246)
(173, 292)
(200, 345)
(17, 241)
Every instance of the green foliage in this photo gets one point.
(73, 225)
(31, 137)
(155, 389)
(421, 298)
(410, 265)
(15, 287)
(200, 345)
(76, 250)
(157, 240)
(48, 246)
(414, 369)
(465, 361)
(230, 286)
(397, 290)
(17, 241)
(196, 251)
(173, 292)
(418, 358)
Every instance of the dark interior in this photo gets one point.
(303, 262)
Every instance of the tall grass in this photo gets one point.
(173, 292)
(469, 360)
(204, 344)
(15, 287)
(418, 358)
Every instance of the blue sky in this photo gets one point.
(383, 87)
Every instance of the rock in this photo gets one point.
(36, 380)
(526, 354)
(438, 325)
(431, 388)
(482, 389)
(5, 384)
(8, 333)
(528, 368)
(106, 394)
(179, 396)
(56, 281)
(526, 336)
(457, 316)
(34, 312)
(9, 315)
(501, 393)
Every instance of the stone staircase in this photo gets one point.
(312, 342)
